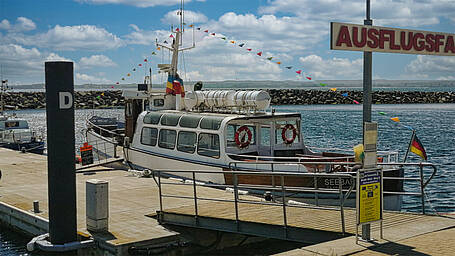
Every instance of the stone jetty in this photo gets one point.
(114, 99)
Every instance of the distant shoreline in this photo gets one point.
(113, 98)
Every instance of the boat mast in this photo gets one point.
(2, 91)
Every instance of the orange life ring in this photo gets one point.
(243, 137)
(283, 134)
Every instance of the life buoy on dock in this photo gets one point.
(243, 137)
(288, 140)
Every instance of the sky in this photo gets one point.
(108, 39)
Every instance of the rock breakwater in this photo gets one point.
(112, 99)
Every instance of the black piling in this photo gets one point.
(61, 151)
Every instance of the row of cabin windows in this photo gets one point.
(207, 144)
(187, 121)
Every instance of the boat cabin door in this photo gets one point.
(265, 139)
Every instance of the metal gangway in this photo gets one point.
(271, 209)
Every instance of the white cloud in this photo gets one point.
(335, 68)
(5, 24)
(137, 3)
(145, 37)
(434, 67)
(22, 24)
(384, 12)
(96, 61)
(88, 79)
(190, 17)
(82, 37)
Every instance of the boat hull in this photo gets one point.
(32, 147)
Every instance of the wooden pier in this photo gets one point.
(132, 200)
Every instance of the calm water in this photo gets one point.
(336, 126)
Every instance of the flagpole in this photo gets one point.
(409, 147)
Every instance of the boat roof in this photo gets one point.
(258, 115)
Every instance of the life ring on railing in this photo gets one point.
(243, 137)
(286, 139)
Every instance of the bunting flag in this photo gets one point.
(417, 148)
(278, 62)
(344, 94)
(113, 86)
(395, 119)
(241, 45)
(134, 69)
(224, 38)
(232, 42)
(140, 65)
(158, 48)
(212, 34)
(382, 113)
(102, 94)
(333, 89)
(206, 31)
(128, 74)
(356, 102)
(322, 84)
(270, 58)
(289, 67)
(309, 78)
(165, 42)
(116, 83)
(177, 29)
(123, 78)
(191, 26)
(98, 97)
(153, 53)
(259, 53)
(249, 49)
(145, 60)
(298, 72)
(171, 36)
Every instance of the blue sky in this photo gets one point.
(106, 39)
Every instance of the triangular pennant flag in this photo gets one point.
(177, 29)
(212, 34)
(278, 62)
(140, 65)
(249, 49)
(184, 24)
(382, 113)
(128, 74)
(171, 36)
(333, 89)
(123, 78)
(158, 48)
(165, 41)
(241, 45)
(289, 67)
(134, 69)
(395, 119)
(309, 78)
(344, 94)
(153, 53)
(259, 53)
(270, 58)
(356, 102)
(116, 83)
(102, 94)
(298, 72)
(145, 60)
(98, 97)
(191, 26)
(224, 38)
(321, 84)
(232, 42)
(113, 86)
(206, 31)
(198, 28)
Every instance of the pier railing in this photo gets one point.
(276, 194)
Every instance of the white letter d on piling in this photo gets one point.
(65, 100)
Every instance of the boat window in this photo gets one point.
(189, 121)
(167, 139)
(231, 130)
(209, 145)
(170, 119)
(152, 118)
(186, 142)
(288, 133)
(211, 123)
(149, 136)
(158, 102)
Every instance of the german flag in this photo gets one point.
(417, 148)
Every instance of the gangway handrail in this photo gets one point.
(282, 189)
(91, 125)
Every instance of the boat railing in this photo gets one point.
(409, 174)
(103, 131)
(278, 193)
(103, 150)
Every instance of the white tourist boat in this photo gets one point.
(183, 128)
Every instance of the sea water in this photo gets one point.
(334, 126)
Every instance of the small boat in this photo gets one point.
(15, 133)
(182, 128)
